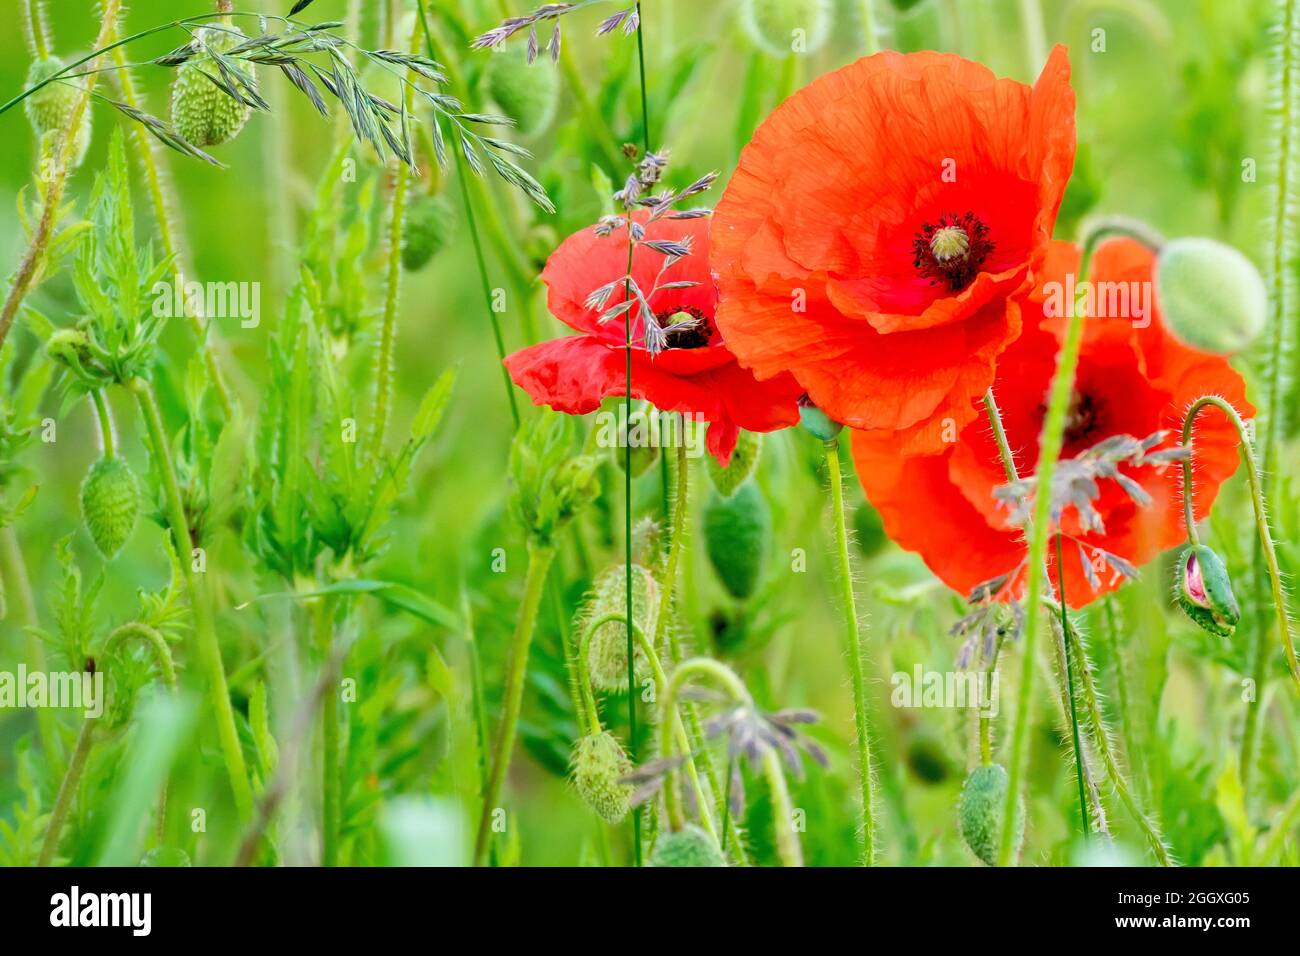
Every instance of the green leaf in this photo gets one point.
(432, 407)
(398, 596)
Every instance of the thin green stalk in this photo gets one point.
(205, 632)
(853, 648)
(67, 790)
(18, 587)
(572, 664)
(331, 780)
(1261, 516)
(57, 184)
(1069, 691)
(787, 844)
(870, 39)
(1286, 821)
(472, 223)
(105, 420)
(539, 562)
(1052, 439)
(1110, 630)
(1031, 12)
(37, 30)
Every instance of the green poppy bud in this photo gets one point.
(49, 109)
(548, 487)
(528, 94)
(744, 459)
(785, 27)
(607, 650)
(817, 421)
(689, 846)
(1211, 296)
(597, 767)
(979, 812)
(428, 223)
(202, 113)
(110, 503)
(737, 535)
(1205, 593)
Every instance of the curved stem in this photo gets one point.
(539, 563)
(1261, 517)
(787, 844)
(205, 632)
(853, 648)
(67, 789)
(150, 637)
(36, 30)
(105, 422)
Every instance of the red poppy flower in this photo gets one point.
(695, 372)
(877, 225)
(1134, 378)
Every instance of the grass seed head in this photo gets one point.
(203, 114)
(110, 504)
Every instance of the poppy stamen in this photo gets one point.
(685, 328)
(952, 249)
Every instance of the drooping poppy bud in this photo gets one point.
(785, 27)
(1205, 593)
(744, 459)
(979, 812)
(817, 421)
(689, 846)
(49, 109)
(607, 651)
(428, 223)
(737, 533)
(598, 766)
(1211, 296)
(110, 504)
(528, 94)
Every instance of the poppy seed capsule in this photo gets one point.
(607, 651)
(49, 109)
(528, 94)
(1211, 296)
(597, 767)
(744, 459)
(689, 846)
(979, 812)
(110, 503)
(1205, 593)
(202, 113)
(737, 533)
(783, 27)
(817, 422)
(428, 222)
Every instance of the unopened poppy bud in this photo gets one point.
(1205, 593)
(744, 459)
(1211, 296)
(427, 225)
(817, 421)
(607, 650)
(598, 766)
(979, 812)
(110, 504)
(783, 27)
(689, 846)
(49, 109)
(527, 93)
(737, 535)
(548, 486)
(202, 113)
(68, 347)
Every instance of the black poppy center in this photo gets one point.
(685, 328)
(1081, 420)
(951, 249)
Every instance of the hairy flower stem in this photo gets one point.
(67, 790)
(37, 31)
(1069, 691)
(65, 151)
(787, 843)
(205, 631)
(539, 563)
(853, 649)
(323, 614)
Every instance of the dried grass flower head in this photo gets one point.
(877, 226)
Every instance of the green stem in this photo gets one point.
(1031, 12)
(58, 180)
(1069, 691)
(1261, 516)
(1053, 436)
(151, 639)
(18, 583)
(787, 843)
(870, 39)
(853, 648)
(67, 790)
(209, 649)
(539, 562)
(105, 422)
(37, 30)
(330, 766)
